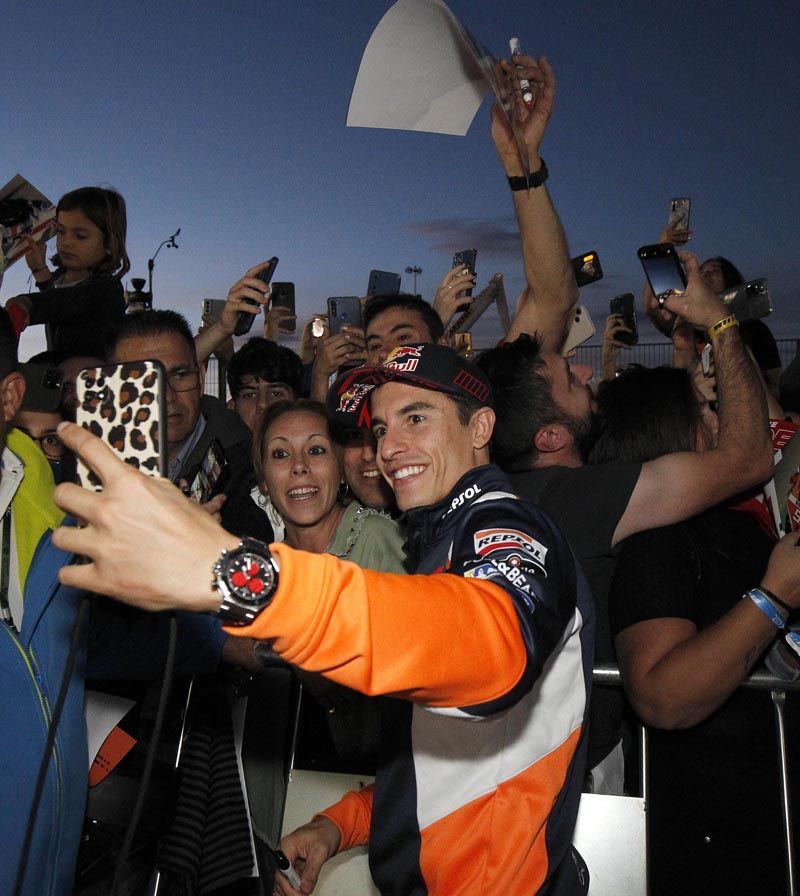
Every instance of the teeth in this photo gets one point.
(371, 474)
(302, 492)
(405, 472)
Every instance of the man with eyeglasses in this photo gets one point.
(194, 420)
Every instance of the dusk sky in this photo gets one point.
(228, 121)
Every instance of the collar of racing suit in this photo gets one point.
(426, 524)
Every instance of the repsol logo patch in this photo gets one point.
(488, 541)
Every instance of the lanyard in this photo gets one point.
(5, 564)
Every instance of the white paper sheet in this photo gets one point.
(419, 72)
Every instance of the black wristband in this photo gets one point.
(533, 180)
(778, 601)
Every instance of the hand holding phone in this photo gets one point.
(282, 309)
(125, 405)
(251, 291)
(343, 311)
(663, 270)
(678, 221)
(465, 260)
(624, 308)
(587, 268)
(697, 303)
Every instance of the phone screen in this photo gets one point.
(663, 269)
(211, 477)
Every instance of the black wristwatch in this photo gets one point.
(247, 578)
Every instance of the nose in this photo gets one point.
(382, 355)
(391, 443)
(300, 465)
(368, 446)
(583, 373)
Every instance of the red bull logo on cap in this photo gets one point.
(404, 358)
(351, 399)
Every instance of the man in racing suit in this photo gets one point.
(488, 649)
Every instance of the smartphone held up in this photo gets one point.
(125, 406)
(245, 320)
(663, 269)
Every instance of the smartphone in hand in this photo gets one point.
(125, 406)
(343, 311)
(663, 269)
(466, 258)
(383, 283)
(282, 296)
(245, 320)
(587, 268)
(581, 329)
(624, 307)
(679, 211)
(211, 476)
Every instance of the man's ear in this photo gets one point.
(552, 437)
(482, 424)
(230, 404)
(12, 391)
(201, 370)
(444, 339)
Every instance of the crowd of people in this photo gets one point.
(436, 547)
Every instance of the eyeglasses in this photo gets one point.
(49, 442)
(184, 379)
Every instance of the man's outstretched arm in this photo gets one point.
(550, 291)
(677, 486)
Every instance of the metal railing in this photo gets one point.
(654, 354)
(609, 674)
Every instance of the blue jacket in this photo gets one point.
(32, 663)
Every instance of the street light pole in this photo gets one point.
(414, 270)
(151, 262)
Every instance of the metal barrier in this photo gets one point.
(609, 674)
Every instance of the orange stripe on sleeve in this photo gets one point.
(436, 639)
(352, 815)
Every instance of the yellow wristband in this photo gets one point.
(722, 325)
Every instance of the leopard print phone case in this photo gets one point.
(125, 406)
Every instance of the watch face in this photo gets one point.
(249, 576)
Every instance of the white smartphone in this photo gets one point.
(580, 330)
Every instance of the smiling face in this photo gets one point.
(423, 447)
(361, 470)
(301, 474)
(80, 243)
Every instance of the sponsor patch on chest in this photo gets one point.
(490, 541)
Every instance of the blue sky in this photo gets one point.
(228, 121)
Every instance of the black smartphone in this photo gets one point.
(383, 283)
(125, 405)
(624, 306)
(587, 268)
(663, 270)
(245, 321)
(343, 311)
(44, 386)
(211, 475)
(466, 258)
(283, 297)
